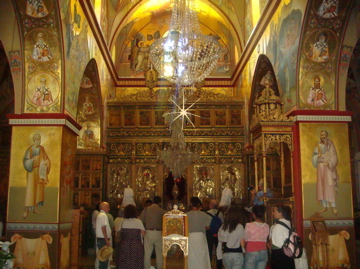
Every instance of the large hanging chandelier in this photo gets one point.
(178, 155)
(185, 56)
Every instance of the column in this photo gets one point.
(42, 163)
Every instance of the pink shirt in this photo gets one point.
(256, 235)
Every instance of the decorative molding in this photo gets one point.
(155, 133)
(32, 227)
(45, 122)
(65, 226)
(322, 118)
(332, 223)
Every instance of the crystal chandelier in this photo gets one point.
(185, 56)
(178, 155)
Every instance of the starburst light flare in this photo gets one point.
(182, 112)
(178, 155)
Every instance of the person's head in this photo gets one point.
(323, 136)
(148, 202)
(261, 184)
(195, 202)
(282, 212)
(37, 139)
(213, 204)
(95, 198)
(105, 206)
(259, 212)
(130, 212)
(43, 80)
(252, 189)
(317, 82)
(204, 175)
(157, 199)
(121, 212)
(232, 219)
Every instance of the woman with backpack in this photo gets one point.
(278, 235)
(256, 235)
(231, 240)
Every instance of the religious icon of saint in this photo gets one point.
(42, 51)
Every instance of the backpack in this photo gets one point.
(215, 224)
(292, 246)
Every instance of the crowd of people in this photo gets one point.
(137, 236)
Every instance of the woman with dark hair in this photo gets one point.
(256, 234)
(231, 240)
(278, 235)
(131, 250)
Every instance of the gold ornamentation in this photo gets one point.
(268, 108)
(205, 149)
(230, 149)
(276, 139)
(197, 133)
(163, 94)
(182, 242)
(121, 149)
(146, 149)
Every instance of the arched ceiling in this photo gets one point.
(145, 17)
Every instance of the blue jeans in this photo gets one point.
(233, 260)
(256, 260)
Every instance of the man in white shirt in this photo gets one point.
(103, 233)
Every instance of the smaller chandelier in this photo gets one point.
(178, 155)
(185, 56)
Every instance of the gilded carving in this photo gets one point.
(121, 149)
(163, 94)
(147, 161)
(268, 107)
(205, 149)
(273, 139)
(182, 242)
(197, 133)
(146, 149)
(230, 148)
(232, 160)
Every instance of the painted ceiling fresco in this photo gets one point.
(134, 25)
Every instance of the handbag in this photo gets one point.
(118, 234)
